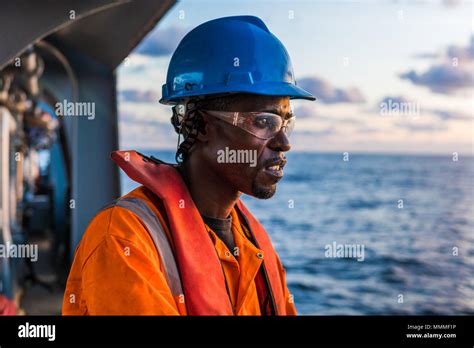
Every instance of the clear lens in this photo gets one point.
(290, 125)
(263, 125)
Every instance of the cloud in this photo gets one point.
(134, 69)
(464, 54)
(367, 130)
(451, 3)
(448, 115)
(328, 94)
(427, 55)
(401, 103)
(138, 96)
(145, 131)
(454, 73)
(398, 106)
(328, 117)
(305, 111)
(161, 42)
(444, 79)
(415, 127)
(394, 100)
(325, 132)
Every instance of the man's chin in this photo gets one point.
(263, 192)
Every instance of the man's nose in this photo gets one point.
(280, 142)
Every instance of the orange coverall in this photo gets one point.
(117, 270)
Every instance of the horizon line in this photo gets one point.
(357, 152)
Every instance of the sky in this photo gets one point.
(390, 76)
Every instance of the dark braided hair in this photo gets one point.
(188, 122)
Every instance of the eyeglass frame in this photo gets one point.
(232, 117)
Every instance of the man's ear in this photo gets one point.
(206, 129)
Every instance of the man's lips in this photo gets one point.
(274, 167)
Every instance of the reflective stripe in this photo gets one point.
(141, 209)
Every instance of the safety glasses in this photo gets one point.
(263, 125)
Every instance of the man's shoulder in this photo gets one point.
(116, 220)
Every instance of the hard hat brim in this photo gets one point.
(261, 88)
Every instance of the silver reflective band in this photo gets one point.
(141, 209)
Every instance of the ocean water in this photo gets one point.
(418, 259)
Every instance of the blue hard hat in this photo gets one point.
(229, 55)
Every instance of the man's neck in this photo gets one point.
(211, 194)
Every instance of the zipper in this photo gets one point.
(263, 266)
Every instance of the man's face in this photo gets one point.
(264, 159)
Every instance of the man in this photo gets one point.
(183, 243)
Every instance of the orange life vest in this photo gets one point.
(198, 264)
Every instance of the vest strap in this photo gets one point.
(141, 209)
